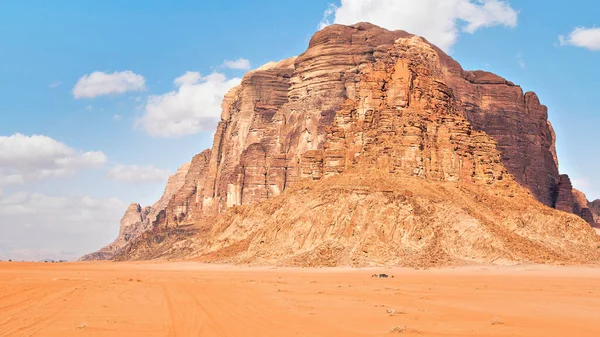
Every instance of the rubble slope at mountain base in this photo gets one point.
(368, 218)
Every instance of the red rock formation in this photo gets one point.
(586, 214)
(364, 96)
(564, 200)
(403, 119)
(184, 205)
(581, 207)
(273, 123)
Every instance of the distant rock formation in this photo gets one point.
(585, 209)
(138, 220)
(365, 97)
(565, 200)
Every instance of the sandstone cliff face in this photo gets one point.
(183, 206)
(518, 123)
(361, 88)
(364, 97)
(565, 200)
(354, 92)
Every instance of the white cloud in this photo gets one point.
(439, 21)
(99, 83)
(588, 38)
(521, 61)
(54, 84)
(89, 108)
(193, 107)
(36, 226)
(241, 64)
(118, 117)
(138, 174)
(189, 78)
(29, 158)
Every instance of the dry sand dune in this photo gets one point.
(190, 299)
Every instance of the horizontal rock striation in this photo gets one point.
(359, 88)
(183, 206)
(565, 200)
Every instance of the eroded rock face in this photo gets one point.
(183, 206)
(575, 202)
(595, 208)
(363, 91)
(518, 123)
(580, 201)
(564, 200)
(583, 207)
(356, 92)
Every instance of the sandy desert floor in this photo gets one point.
(189, 299)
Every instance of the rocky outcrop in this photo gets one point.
(564, 200)
(183, 206)
(574, 201)
(132, 224)
(586, 214)
(138, 220)
(583, 207)
(580, 201)
(365, 97)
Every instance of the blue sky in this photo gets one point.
(47, 47)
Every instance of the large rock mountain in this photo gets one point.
(364, 102)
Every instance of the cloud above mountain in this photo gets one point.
(441, 22)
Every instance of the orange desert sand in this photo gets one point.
(191, 299)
